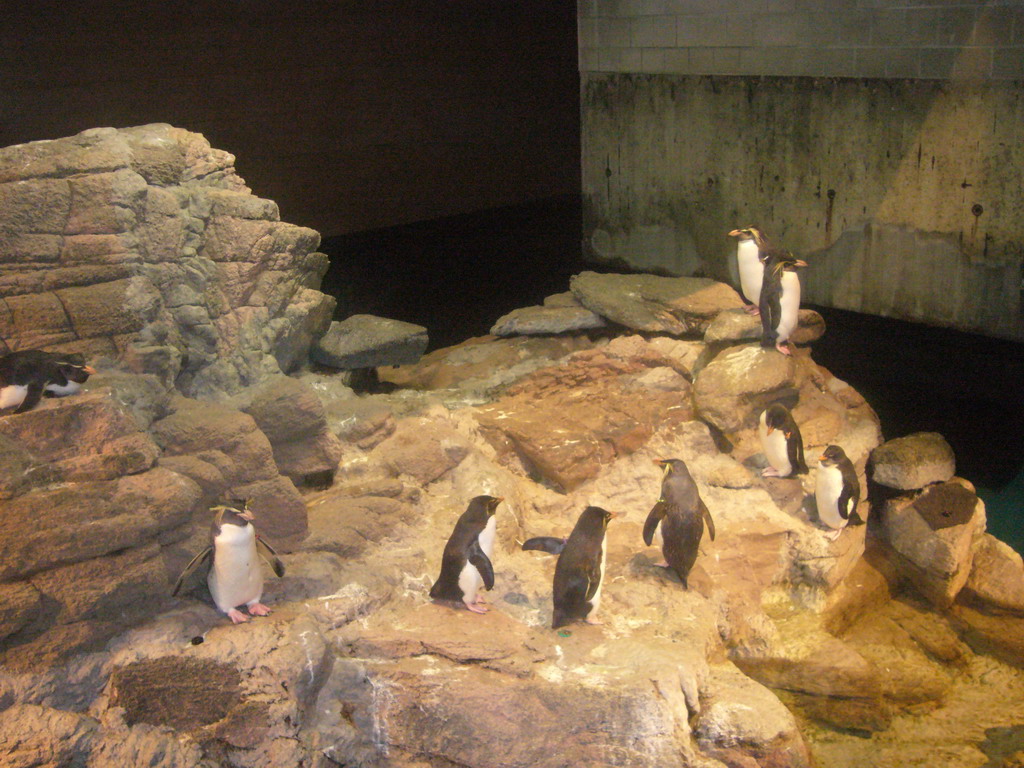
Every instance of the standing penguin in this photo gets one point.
(682, 513)
(579, 572)
(836, 490)
(25, 375)
(235, 576)
(782, 443)
(780, 298)
(466, 562)
(751, 242)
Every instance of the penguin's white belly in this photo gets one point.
(71, 388)
(236, 577)
(487, 535)
(595, 601)
(12, 395)
(751, 270)
(775, 449)
(789, 303)
(828, 485)
(469, 582)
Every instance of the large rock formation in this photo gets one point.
(144, 245)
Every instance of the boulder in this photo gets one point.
(937, 560)
(731, 391)
(421, 448)
(366, 341)
(534, 321)
(996, 581)
(912, 462)
(735, 326)
(673, 305)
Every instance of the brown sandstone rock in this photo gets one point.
(996, 581)
(914, 461)
(422, 449)
(675, 305)
(32, 735)
(735, 325)
(733, 389)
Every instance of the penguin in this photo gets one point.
(466, 562)
(75, 371)
(836, 490)
(25, 375)
(682, 514)
(751, 242)
(579, 572)
(780, 298)
(235, 577)
(782, 443)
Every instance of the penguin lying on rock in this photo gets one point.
(836, 491)
(682, 514)
(751, 242)
(781, 442)
(26, 375)
(466, 562)
(235, 577)
(780, 298)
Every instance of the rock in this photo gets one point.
(421, 448)
(549, 422)
(733, 389)
(166, 259)
(741, 719)
(483, 364)
(937, 562)
(530, 321)
(675, 305)
(1000, 636)
(31, 736)
(914, 461)
(366, 341)
(19, 605)
(292, 417)
(996, 581)
(735, 325)
(348, 526)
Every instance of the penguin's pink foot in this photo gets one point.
(783, 349)
(480, 600)
(477, 608)
(662, 564)
(237, 617)
(833, 535)
(770, 472)
(258, 609)
(750, 309)
(593, 622)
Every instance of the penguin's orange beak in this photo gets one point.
(800, 263)
(770, 430)
(735, 233)
(612, 514)
(245, 514)
(89, 369)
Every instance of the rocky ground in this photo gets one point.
(900, 643)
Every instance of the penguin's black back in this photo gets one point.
(460, 546)
(682, 524)
(779, 417)
(770, 303)
(578, 570)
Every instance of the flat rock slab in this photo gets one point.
(676, 305)
(736, 326)
(912, 462)
(537, 321)
(367, 341)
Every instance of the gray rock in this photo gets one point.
(561, 300)
(676, 305)
(534, 321)
(912, 462)
(997, 577)
(366, 341)
(735, 325)
(733, 389)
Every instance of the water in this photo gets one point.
(457, 276)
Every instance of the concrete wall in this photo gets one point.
(904, 194)
(351, 115)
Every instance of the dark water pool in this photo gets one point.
(456, 276)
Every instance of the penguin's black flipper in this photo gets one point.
(550, 544)
(267, 553)
(846, 502)
(196, 561)
(706, 514)
(32, 397)
(653, 518)
(482, 563)
(795, 451)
